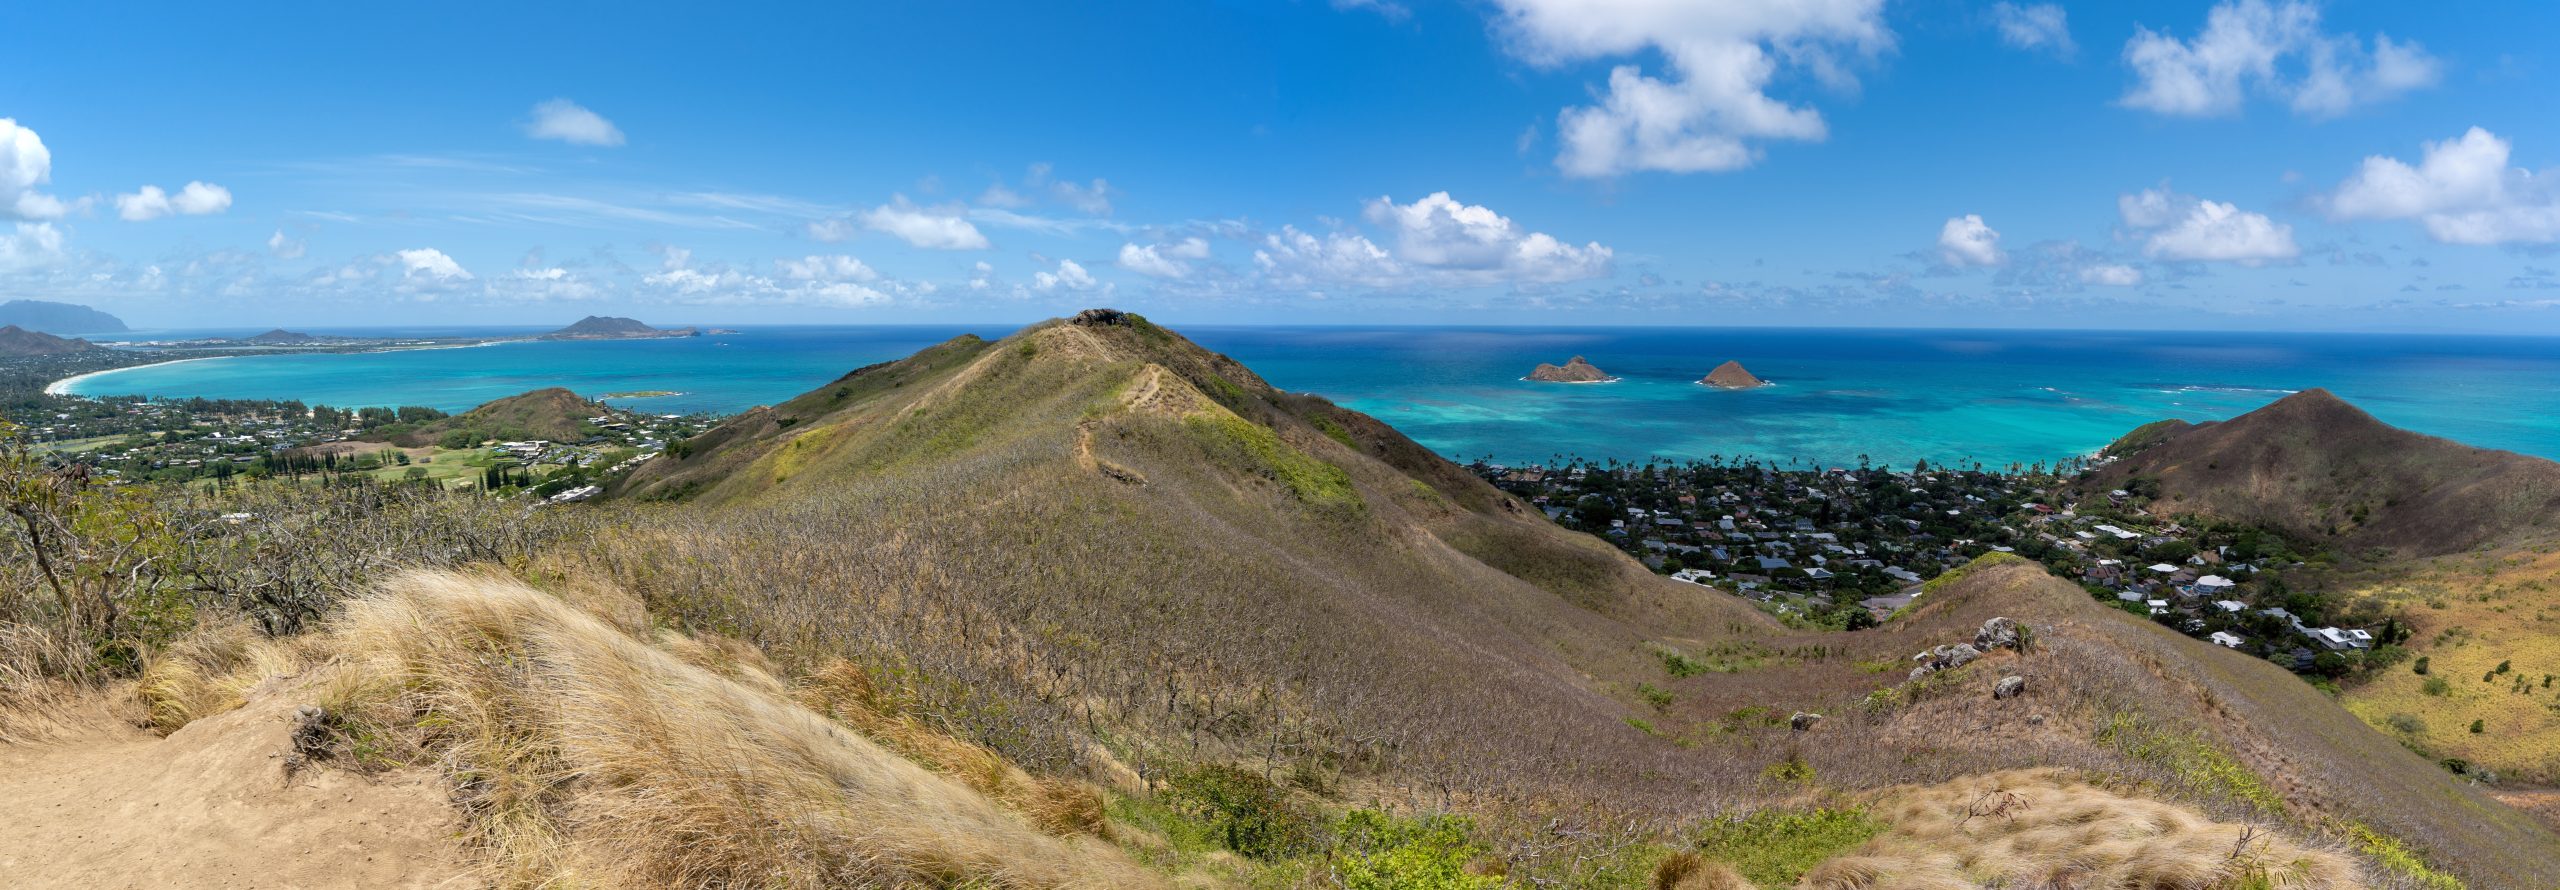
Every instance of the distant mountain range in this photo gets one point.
(59, 318)
(607, 327)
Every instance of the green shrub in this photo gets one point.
(1775, 847)
(1375, 851)
(1245, 812)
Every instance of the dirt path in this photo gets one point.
(110, 806)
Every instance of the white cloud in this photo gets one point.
(832, 267)
(1437, 232)
(2186, 228)
(1968, 241)
(1163, 260)
(32, 244)
(572, 123)
(2111, 275)
(830, 230)
(933, 228)
(431, 264)
(1714, 108)
(1070, 276)
(25, 164)
(2043, 26)
(284, 248)
(2273, 48)
(1292, 258)
(982, 275)
(196, 199)
(2462, 191)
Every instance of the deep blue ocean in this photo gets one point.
(1892, 396)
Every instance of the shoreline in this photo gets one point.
(63, 386)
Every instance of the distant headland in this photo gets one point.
(58, 318)
(1731, 375)
(607, 327)
(1575, 370)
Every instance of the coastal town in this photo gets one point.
(1846, 548)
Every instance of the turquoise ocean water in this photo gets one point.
(1893, 396)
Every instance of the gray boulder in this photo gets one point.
(2009, 687)
(1997, 633)
(1803, 721)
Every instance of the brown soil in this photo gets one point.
(107, 805)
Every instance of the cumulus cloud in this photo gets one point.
(1714, 108)
(1070, 276)
(25, 164)
(30, 245)
(430, 264)
(926, 227)
(572, 123)
(833, 267)
(1438, 232)
(1968, 241)
(1163, 260)
(284, 248)
(2273, 48)
(2111, 275)
(1292, 258)
(2186, 228)
(2043, 27)
(2461, 190)
(195, 199)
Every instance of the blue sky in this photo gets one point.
(2248, 164)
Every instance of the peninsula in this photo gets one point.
(1731, 375)
(604, 327)
(16, 341)
(1575, 370)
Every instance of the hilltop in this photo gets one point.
(16, 341)
(552, 415)
(1574, 370)
(603, 327)
(58, 318)
(2316, 467)
(1731, 375)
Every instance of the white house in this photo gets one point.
(2226, 639)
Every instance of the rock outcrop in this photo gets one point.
(2009, 687)
(1997, 633)
(1575, 370)
(1731, 375)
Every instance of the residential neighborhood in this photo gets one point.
(1848, 547)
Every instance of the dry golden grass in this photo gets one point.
(1689, 871)
(588, 758)
(2472, 614)
(208, 672)
(2046, 828)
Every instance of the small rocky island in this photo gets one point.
(603, 327)
(1574, 371)
(282, 337)
(1731, 375)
